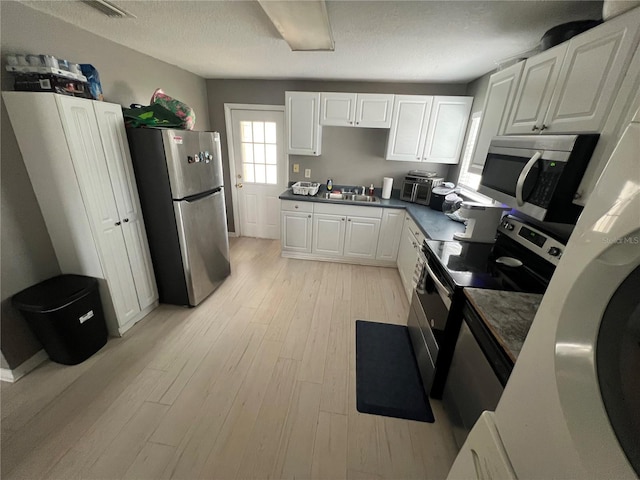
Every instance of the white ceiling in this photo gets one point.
(407, 41)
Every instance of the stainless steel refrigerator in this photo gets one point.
(180, 183)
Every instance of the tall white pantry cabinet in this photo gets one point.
(76, 153)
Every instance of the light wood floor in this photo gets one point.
(256, 382)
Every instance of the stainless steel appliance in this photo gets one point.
(539, 174)
(417, 186)
(179, 178)
(522, 259)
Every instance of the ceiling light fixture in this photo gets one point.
(108, 8)
(303, 24)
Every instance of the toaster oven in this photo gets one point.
(417, 186)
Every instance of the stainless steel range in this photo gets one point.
(522, 259)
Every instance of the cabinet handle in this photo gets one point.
(126, 220)
(296, 206)
(417, 158)
(544, 127)
(534, 128)
(350, 123)
(309, 216)
(349, 219)
(118, 224)
(357, 123)
(342, 219)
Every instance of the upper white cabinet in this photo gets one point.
(77, 157)
(409, 122)
(369, 110)
(447, 126)
(428, 129)
(302, 114)
(495, 112)
(571, 87)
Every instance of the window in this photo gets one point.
(466, 178)
(259, 152)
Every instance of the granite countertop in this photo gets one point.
(508, 315)
(433, 223)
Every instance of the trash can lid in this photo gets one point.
(53, 293)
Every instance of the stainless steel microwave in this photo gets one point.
(538, 175)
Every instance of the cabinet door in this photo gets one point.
(408, 127)
(538, 80)
(361, 238)
(296, 232)
(302, 112)
(328, 234)
(373, 110)
(87, 154)
(116, 149)
(407, 256)
(390, 233)
(338, 109)
(447, 127)
(591, 74)
(500, 93)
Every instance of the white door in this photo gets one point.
(338, 109)
(361, 238)
(408, 127)
(304, 131)
(114, 142)
(85, 145)
(374, 110)
(390, 233)
(328, 234)
(296, 232)
(260, 170)
(447, 127)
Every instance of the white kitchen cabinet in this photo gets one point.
(78, 161)
(446, 130)
(409, 122)
(373, 110)
(571, 87)
(408, 256)
(302, 116)
(296, 231)
(361, 237)
(428, 129)
(328, 234)
(495, 112)
(390, 233)
(369, 110)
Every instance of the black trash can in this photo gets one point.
(65, 314)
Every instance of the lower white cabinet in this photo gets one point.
(390, 232)
(77, 158)
(341, 233)
(328, 234)
(410, 244)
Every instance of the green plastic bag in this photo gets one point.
(152, 116)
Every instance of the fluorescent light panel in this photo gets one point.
(304, 24)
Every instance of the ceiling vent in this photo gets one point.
(108, 9)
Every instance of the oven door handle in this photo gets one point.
(523, 176)
(444, 293)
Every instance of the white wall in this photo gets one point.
(127, 77)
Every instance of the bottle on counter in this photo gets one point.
(371, 190)
(329, 185)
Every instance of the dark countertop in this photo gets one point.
(433, 223)
(508, 315)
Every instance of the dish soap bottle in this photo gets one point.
(329, 185)
(371, 190)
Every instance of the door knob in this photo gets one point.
(239, 185)
(534, 128)
(118, 224)
(126, 220)
(543, 127)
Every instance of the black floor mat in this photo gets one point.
(387, 378)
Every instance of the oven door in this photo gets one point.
(423, 193)
(408, 191)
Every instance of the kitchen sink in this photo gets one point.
(349, 197)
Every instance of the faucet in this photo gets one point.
(363, 190)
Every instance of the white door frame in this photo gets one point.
(228, 107)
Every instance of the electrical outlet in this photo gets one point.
(296, 168)
(307, 173)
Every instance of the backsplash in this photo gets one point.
(355, 156)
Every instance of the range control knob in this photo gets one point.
(507, 226)
(554, 252)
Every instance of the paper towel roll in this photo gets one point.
(387, 184)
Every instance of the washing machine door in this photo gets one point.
(618, 365)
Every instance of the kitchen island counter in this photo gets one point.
(433, 223)
(508, 315)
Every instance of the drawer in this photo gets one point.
(349, 210)
(413, 226)
(294, 206)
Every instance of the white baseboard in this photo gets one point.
(7, 375)
(232, 234)
(349, 260)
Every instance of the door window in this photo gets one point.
(259, 152)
